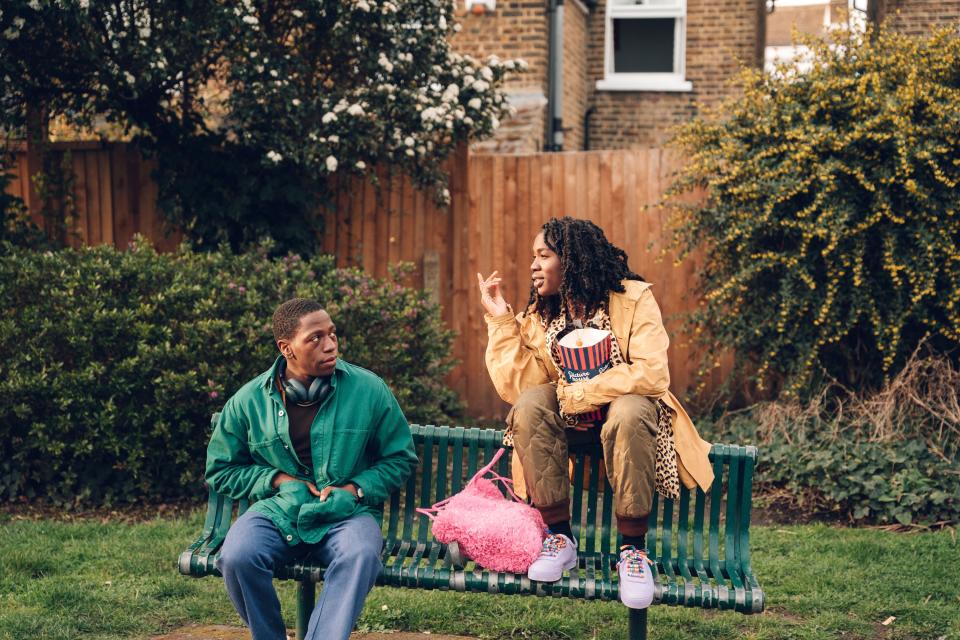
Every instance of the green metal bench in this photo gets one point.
(700, 543)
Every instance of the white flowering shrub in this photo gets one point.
(251, 106)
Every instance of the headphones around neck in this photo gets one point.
(304, 396)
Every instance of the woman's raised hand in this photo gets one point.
(490, 295)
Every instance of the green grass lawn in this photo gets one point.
(116, 580)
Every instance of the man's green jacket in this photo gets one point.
(359, 435)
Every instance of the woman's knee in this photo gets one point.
(535, 408)
(631, 415)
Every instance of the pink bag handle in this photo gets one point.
(432, 511)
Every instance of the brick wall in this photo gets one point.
(918, 17)
(577, 91)
(516, 29)
(720, 34)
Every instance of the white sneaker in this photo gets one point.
(636, 578)
(558, 554)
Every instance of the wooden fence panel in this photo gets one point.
(498, 205)
(115, 195)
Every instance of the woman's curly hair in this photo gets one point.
(591, 268)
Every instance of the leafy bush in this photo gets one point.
(112, 361)
(886, 457)
(830, 234)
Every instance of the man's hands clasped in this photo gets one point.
(323, 494)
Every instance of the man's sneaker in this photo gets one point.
(636, 578)
(557, 555)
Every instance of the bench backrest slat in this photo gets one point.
(426, 474)
(682, 522)
(443, 446)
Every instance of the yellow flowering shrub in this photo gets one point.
(830, 229)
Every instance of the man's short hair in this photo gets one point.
(286, 318)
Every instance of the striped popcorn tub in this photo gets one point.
(585, 353)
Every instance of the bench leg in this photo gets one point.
(638, 624)
(306, 597)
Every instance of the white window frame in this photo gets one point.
(675, 81)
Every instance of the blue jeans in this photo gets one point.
(254, 546)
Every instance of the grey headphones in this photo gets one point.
(304, 396)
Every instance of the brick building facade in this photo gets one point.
(918, 17)
(601, 107)
(603, 110)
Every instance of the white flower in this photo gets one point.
(328, 117)
(468, 121)
(18, 22)
(129, 77)
(411, 153)
(362, 5)
(355, 110)
(11, 34)
(468, 80)
(480, 85)
(409, 141)
(445, 194)
(144, 32)
(250, 19)
(334, 139)
(486, 73)
(494, 123)
(475, 103)
(34, 4)
(457, 27)
(295, 102)
(522, 64)
(361, 165)
(386, 64)
(297, 13)
(273, 73)
(331, 164)
(509, 64)
(274, 157)
(254, 54)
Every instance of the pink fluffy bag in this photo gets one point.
(499, 533)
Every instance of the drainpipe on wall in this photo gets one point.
(586, 127)
(555, 76)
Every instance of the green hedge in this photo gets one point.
(112, 361)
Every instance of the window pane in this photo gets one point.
(643, 45)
